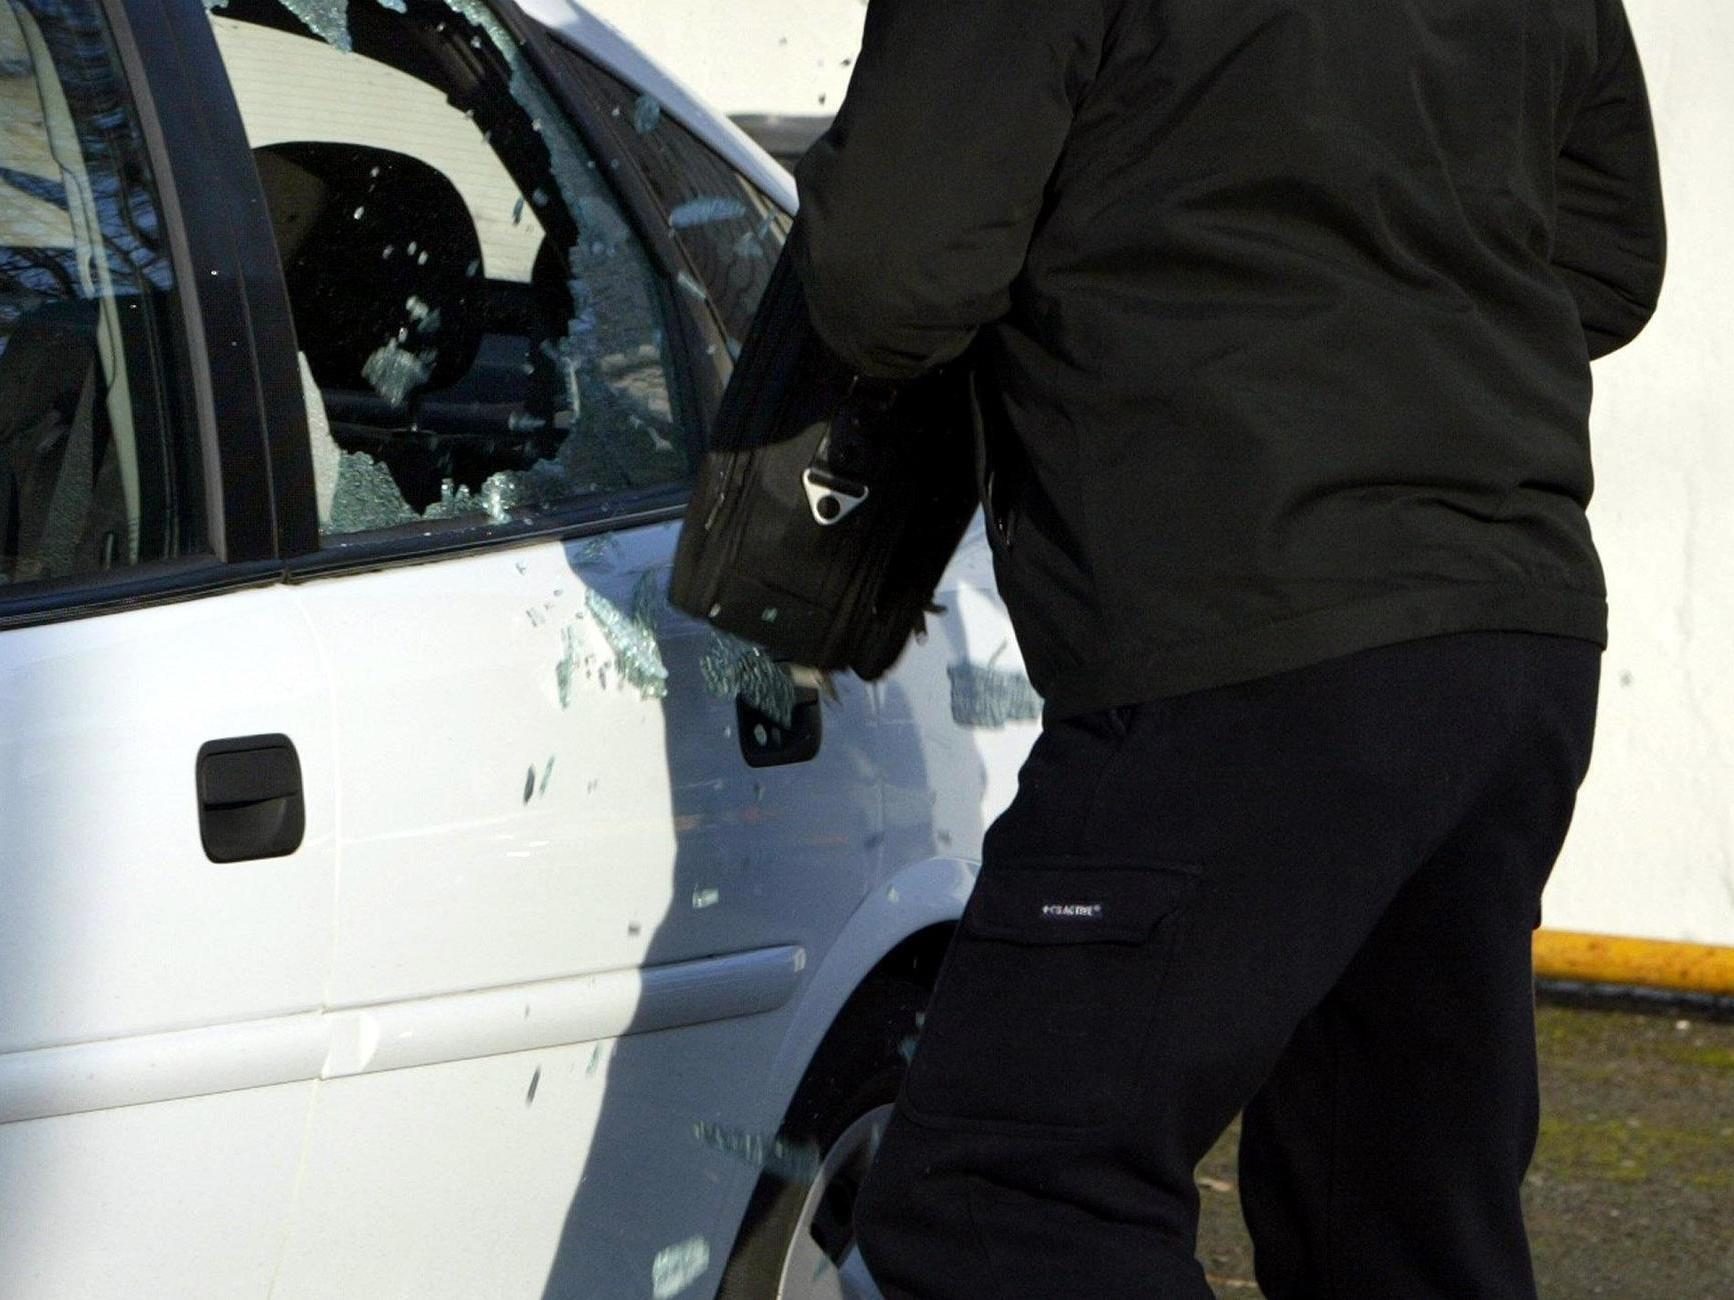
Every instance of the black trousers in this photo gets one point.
(1309, 898)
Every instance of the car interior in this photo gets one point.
(408, 186)
(85, 467)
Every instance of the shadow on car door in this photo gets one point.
(766, 856)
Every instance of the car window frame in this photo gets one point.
(183, 142)
(695, 384)
(588, 68)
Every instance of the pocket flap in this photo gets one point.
(1082, 904)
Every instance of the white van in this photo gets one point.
(396, 897)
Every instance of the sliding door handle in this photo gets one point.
(765, 742)
(250, 798)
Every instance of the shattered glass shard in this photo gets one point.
(646, 114)
(636, 654)
(427, 318)
(990, 698)
(326, 19)
(365, 496)
(731, 666)
(566, 670)
(692, 286)
(677, 1267)
(593, 550)
(394, 371)
(700, 212)
(796, 1162)
(650, 601)
(603, 223)
(498, 496)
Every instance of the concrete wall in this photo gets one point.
(749, 56)
(1651, 852)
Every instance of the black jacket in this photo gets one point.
(1283, 308)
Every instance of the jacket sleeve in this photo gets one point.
(1610, 241)
(918, 204)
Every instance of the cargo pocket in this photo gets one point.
(1046, 997)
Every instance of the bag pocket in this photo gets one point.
(1047, 994)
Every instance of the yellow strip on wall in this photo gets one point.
(1645, 963)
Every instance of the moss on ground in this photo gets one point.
(1632, 1191)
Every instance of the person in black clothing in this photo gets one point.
(1281, 315)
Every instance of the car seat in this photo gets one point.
(383, 267)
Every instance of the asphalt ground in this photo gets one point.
(1632, 1191)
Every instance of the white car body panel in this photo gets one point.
(128, 960)
(464, 868)
(140, 1069)
(914, 898)
(184, 1200)
(101, 863)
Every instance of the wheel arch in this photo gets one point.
(902, 927)
(863, 998)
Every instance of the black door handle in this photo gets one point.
(250, 803)
(766, 742)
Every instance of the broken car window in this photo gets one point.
(483, 332)
(729, 229)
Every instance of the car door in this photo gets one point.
(572, 913)
(167, 857)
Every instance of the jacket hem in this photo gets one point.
(1158, 672)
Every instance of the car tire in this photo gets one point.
(796, 1241)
